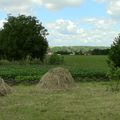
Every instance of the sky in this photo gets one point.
(70, 22)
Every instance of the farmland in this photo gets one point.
(88, 62)
(85, 101)
(79, 66)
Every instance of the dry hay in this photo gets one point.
(57, 78)
(4, 88)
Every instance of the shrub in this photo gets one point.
(114, 76)
(114, 64)
(114, 54)
(56, 59)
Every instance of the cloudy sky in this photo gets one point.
(71, 22)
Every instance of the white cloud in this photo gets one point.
(67, 32)
(27, 6)
(59, 4)
(101, 23)
(64, 26)
(113, 7)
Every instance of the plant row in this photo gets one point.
(33, 73)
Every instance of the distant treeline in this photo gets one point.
(81, 50)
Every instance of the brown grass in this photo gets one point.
(57, 78)
(4, 88)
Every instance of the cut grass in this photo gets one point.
(87, 101)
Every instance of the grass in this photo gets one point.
(88, 62)
(87, 101)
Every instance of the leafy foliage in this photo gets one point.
(114, 76)
(100, 52)
(114, 55)
(56, 59)
(22, 36)
(114, 64)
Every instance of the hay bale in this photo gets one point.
(57, 78)
(4, 88)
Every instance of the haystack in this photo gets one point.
(4, 88)
(57, 78)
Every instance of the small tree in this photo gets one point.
(114, 63)
(56, 59)
(114, 54)
(23, 36)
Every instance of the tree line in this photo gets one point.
(96, 51)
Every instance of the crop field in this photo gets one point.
(88, 62)
(79, 66)
(86, 101)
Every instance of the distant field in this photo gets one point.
(87, 101)
(88, 62)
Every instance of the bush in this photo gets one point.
(114, 54)
(114, 76)
(114, 64)
(56, 59)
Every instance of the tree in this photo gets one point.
(114, 54)
(114, 63)
(100, 51)
(23, 36)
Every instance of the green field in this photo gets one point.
(87, 101)
(88, 62)
(79, 66)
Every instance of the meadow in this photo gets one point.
(86, 101)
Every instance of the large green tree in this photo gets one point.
(22, 36)
(114, 54)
